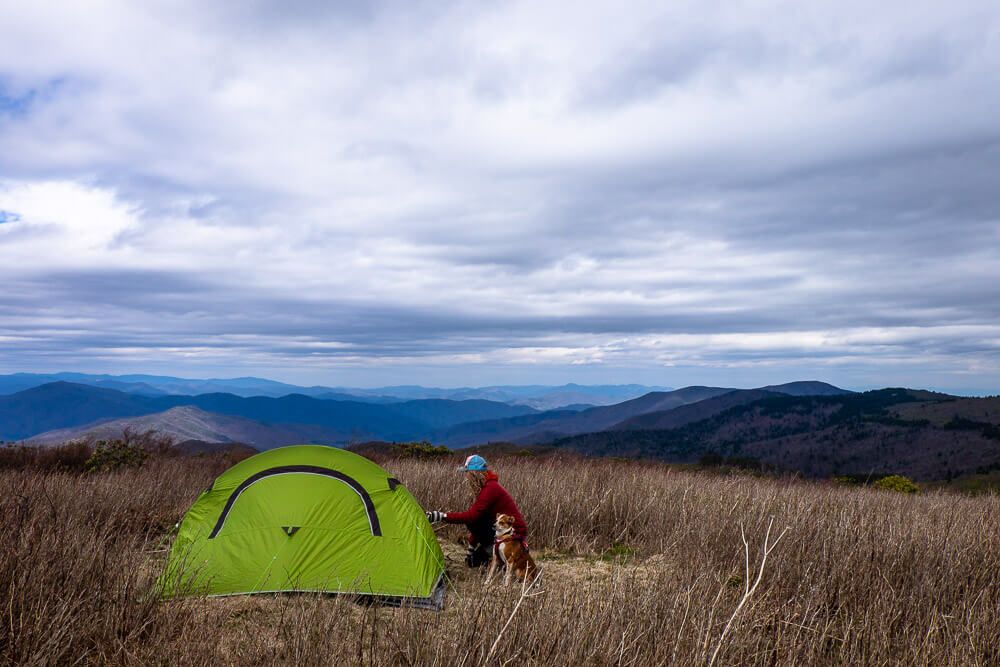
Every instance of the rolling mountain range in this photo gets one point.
(63, 410)
(810, 427)
(921, 434)
(545, 427)
(541, 397)
(61, 405)
(152, 385)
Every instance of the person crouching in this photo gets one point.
(491, 500)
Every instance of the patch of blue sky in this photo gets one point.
(18, 100)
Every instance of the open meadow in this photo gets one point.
(643, 565)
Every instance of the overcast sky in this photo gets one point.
(467, 194)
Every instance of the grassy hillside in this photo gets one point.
(188, 423)
(643, 565)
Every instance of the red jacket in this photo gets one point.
(492, 500)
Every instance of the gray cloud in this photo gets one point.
(358, 193)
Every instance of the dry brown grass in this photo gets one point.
(643, 565)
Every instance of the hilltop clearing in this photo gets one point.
(643, 564)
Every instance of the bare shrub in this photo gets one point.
(71, 457)
(150, 441)
(114, 454)
(130, 451)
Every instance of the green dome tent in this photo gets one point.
(307, 518)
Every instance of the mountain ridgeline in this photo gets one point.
(61, 405)
(809, 427)
(917, 433)
(65, 406)
(540, 397)
(546, 427)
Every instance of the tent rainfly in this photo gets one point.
(307, 518)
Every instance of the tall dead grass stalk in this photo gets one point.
(748, 589)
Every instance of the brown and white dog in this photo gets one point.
(512, 551)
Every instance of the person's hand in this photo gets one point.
(434, 516)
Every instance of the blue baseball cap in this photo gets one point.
(474, 462)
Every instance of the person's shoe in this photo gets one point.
(476, 556)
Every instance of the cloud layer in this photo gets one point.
(458, 194)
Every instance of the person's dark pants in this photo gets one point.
(481, 545)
